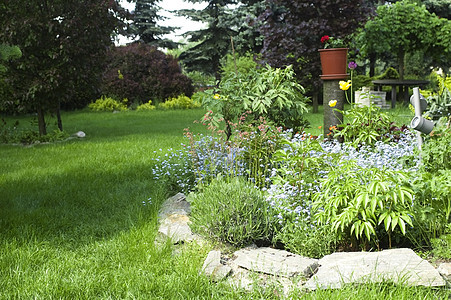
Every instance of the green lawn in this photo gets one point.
(73, 224)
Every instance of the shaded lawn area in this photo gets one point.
(72, 219)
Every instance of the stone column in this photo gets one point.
(332, 91)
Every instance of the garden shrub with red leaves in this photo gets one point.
(140, 72)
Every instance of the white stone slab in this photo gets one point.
(397, 265)
(275, 262)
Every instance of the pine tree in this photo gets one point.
(212, 43)
(145, 24)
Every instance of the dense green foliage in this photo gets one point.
(63, 45)
(140, 72)
(232, 210)
(145, 17)
(108, 104)
(365, 125)
(180, 102)
(211, 43)
(405, 27)
(269, 92)
(290, 39)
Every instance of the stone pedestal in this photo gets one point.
(332, 92)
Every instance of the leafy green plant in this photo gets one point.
(439, 105)
(436, 151)
(146, 106)
(257, 141)
(231, 210)
(441, 247)
(108, 104)
(304, 239)
(365, 125)
(180, 102)
(357, 200)
(262, 92)
(201, 80)
(432, 206)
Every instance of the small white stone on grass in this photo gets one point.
(80, 134)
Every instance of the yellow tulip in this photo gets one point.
(332, 103)
(345, 85)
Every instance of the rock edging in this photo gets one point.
(331, 271)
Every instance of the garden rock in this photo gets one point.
(275, 262)
(397, 265)
(272, 268)
(214, 268)
(174, 220)
(445, 270)
(80, 134)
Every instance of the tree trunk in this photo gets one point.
(372, 64)
(41, 122)
(401, 56)
(58, 116)
(315, 102)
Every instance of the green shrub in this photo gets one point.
(200, 79)
(441, 247)
(432, 206)
(436, 152)
(366, 125)
(269, 92)
(108, 104)
(305, 240)
(359, 81)
(181, 102)
(139, 72)
(390, 73)
(356, 201)
(231, 210)
(243, 64)
(146, 106)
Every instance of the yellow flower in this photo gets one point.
(332, 103)
(345, 85)
(216, 96)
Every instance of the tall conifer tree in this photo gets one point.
(145, 24)
(213, 42)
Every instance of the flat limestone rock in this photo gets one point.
(175, 205)
(247, 279)
(176, 227)
(396, 265)
(445, 270)
(212, 266)
(275, 262)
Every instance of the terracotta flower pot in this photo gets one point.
(333, 63)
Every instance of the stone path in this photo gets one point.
(295, 271)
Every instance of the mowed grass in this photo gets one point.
(73, 224)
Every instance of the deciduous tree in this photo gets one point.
(405, 27)
(63, 44)
(292, 31)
